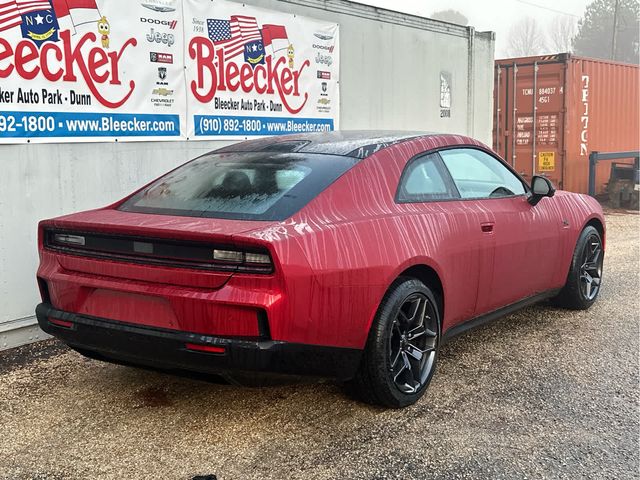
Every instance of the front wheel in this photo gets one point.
(400, 356)
(585, 276)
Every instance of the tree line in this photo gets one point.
(608, 29)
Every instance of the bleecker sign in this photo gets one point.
(252, 71)
(90, 70)
(87, 70)
(546, 161)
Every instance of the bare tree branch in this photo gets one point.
(525, 39)
(561, 32)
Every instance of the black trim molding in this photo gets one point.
(164, 349)
(501, 312)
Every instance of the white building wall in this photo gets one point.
(390, 66)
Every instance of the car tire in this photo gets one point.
(400, 356)
(585, 275)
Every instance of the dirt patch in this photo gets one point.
(153, 397)
(27, 354)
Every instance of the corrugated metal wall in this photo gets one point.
(603, 115)
(581, 105)
(390, 69)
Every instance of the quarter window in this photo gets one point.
(479, 175)
(425, 179)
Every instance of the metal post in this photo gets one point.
(470, 81)
(595, 157)
(615, 27)
(514, 127)
(535, 111)
(498, 112)
(593, 160)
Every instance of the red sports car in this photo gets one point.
(350, 255)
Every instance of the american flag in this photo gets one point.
(11, 11)
(233, 34)
(28, 6)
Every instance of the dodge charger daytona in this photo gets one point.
(344, 255)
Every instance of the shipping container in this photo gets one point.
(552, 111)
(397, 71)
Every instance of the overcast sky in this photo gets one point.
(495, 15)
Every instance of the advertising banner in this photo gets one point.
(100, 70)
(251, 71)
(91, 70)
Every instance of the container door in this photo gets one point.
(529, 130)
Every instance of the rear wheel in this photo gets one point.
(400, 356)
(585, 276)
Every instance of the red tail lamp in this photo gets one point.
(60, 323)
(205, 348)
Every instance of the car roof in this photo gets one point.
(351, 143)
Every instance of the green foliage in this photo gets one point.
(595, 31)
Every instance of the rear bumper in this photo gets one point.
(166, 349)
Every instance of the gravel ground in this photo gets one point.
(543, 393)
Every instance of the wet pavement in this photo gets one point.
(543, 393)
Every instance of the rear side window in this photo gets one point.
(425, 179)
(242, 186)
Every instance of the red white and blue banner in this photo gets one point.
(100, 70)
(91, 70)
(252, 71)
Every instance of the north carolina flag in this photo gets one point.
(275, 36)
(71, 13)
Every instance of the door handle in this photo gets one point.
(487, 227)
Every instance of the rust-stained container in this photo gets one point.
(552, 111)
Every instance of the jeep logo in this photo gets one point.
(167, 38)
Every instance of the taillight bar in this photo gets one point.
(158, 251)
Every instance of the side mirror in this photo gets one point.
(540, 187)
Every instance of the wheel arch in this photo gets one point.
(429, 276)
(598, 224)
(422, 269)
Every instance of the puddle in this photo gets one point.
(153, 396)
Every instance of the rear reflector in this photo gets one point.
(204, 348)
(60, 323)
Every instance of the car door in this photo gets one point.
(525, 238)
(448, 230)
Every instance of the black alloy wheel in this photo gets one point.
(413, 343)
(400, 356)
(584, 281)
(591, 267)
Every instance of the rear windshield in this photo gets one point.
(242, 186)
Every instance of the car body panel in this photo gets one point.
(334, 259)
